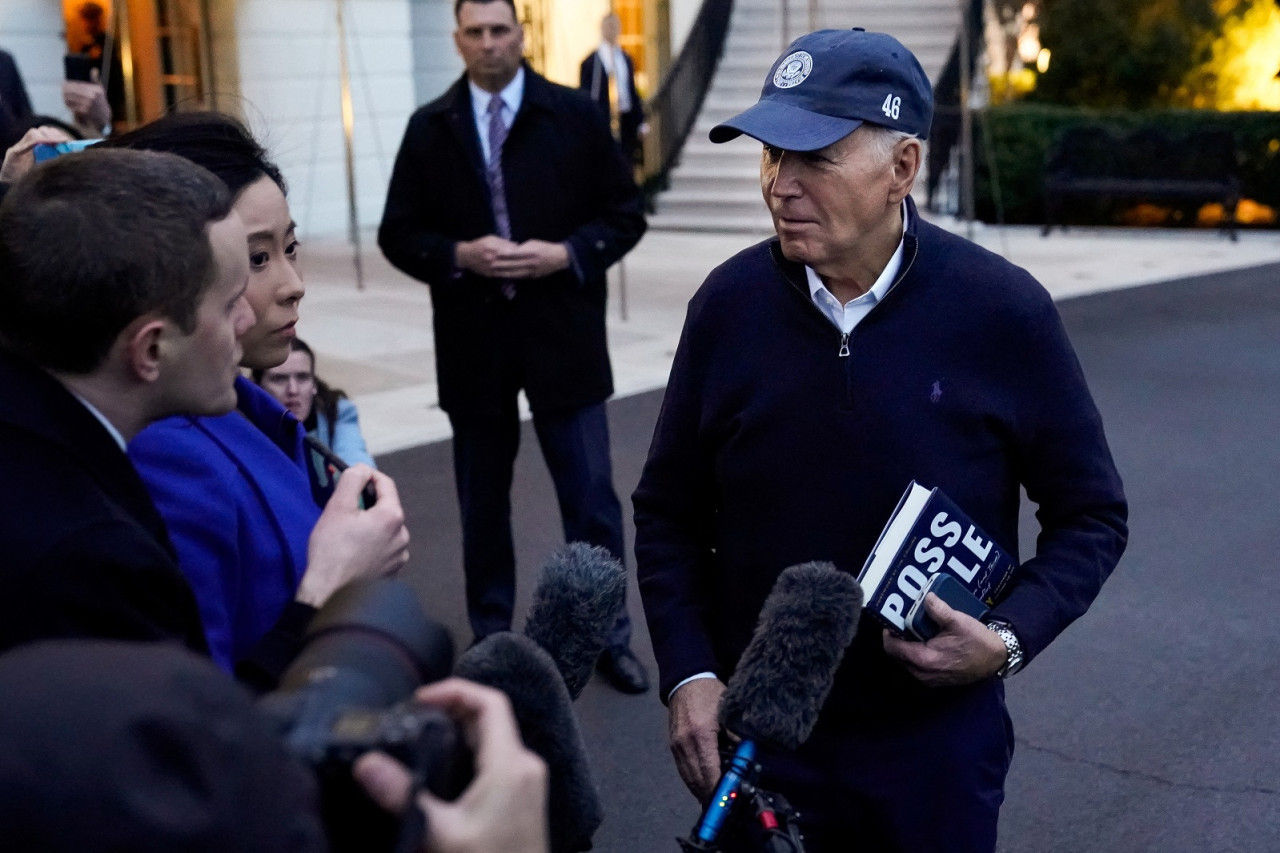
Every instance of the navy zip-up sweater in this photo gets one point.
(775, 448)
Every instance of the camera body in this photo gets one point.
(349, 692)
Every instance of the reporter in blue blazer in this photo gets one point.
(258, 543)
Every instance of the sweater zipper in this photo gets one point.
(844, 336)
(843, 352)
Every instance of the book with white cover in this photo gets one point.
(928, 533)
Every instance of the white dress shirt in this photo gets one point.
(511, 96)
(850, 314)
(614, 61)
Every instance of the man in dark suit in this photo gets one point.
(510, 199)
(609, 76)
(101, 333)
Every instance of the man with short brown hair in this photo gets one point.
(122, 279)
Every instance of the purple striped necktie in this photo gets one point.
(493, 173)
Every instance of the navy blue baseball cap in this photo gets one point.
(827, 83)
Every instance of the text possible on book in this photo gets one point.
(928, 534)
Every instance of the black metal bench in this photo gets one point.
(1089, 161)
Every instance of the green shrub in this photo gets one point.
(1017, 137)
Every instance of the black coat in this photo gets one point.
(593, 79)
(565, 182)
(85, 551)
(15, 106)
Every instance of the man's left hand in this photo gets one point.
(963, 650)
(532, 259)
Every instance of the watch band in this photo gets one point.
(1012, 646)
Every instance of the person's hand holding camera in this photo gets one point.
(87, 102)
(350, 543)
(503, 810)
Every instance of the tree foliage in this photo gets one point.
(1130, 54)
(1242, 73)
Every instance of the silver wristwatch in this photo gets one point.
(1004, 631)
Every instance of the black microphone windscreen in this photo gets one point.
(787, 670)
(522, 670)
(579, 594)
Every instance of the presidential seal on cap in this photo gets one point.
(826, 84)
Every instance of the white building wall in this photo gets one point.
(683, 13)
(33, 31)
(436, 63)
(287, 65)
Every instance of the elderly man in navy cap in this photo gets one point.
(818, 373)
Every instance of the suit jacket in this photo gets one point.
(593, 78)
(565, 181)
(85, 552)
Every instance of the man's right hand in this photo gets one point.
(349, 543)
(503, 810)
(482, 255)
(693, 724)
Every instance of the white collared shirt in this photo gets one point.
(613, 60)
(102, 419)
(850, 314)
(511, 96)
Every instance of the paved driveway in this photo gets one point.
(1152, 724)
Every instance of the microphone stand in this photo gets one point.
(776, 817)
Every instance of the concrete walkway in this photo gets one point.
(377, 344)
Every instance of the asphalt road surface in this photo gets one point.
(1151, 724)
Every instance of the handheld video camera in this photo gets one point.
(349, 691)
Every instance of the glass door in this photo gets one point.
(182, 50)
(151, 55)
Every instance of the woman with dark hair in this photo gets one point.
(326, 413)
(235, 491)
